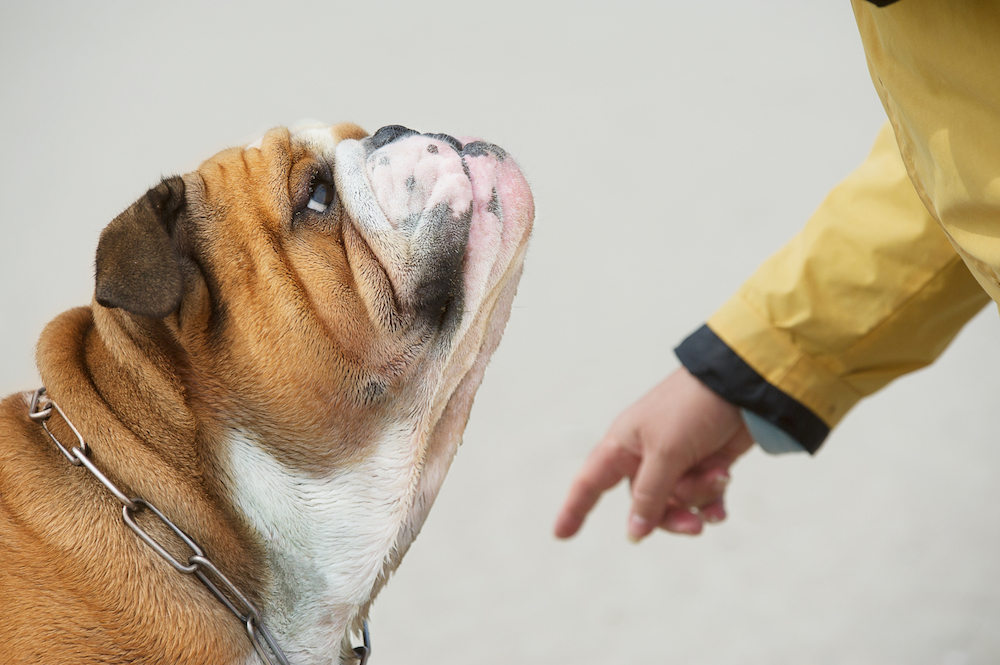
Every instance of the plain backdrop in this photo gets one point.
(671, 147)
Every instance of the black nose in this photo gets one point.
(390, 133)
(387, 135)
(450, 140)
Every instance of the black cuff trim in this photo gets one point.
(711, 360)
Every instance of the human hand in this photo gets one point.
(675, 445)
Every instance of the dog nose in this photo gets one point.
(450, 140)
(388, 134)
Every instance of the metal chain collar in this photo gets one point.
(198, 564)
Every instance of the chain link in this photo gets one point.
(198, 564)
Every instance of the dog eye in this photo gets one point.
(321, 196)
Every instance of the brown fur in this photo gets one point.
(271, 319)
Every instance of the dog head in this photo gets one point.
(327, 301)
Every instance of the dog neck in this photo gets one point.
(326, 538)
(311, 545)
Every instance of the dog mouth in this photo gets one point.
(443, 217)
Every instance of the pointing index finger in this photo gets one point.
(607, 464)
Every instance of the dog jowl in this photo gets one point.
(281, 357)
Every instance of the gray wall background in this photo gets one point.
(671, 147)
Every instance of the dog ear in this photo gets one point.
(138, 267)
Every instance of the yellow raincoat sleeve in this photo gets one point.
(899, 256)
(869, 290)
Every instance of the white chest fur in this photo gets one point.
(325, 537)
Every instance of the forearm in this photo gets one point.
(871, 289)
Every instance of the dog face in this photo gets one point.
(327, 301)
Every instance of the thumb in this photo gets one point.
(652, 486)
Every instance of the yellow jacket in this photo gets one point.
(900, 255)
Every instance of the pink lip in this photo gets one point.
(497, 231)
(512, 188)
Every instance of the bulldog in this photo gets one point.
(243, 433)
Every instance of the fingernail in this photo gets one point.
(720, 481)
(714, 515)
(693, 529)
(637, 528)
